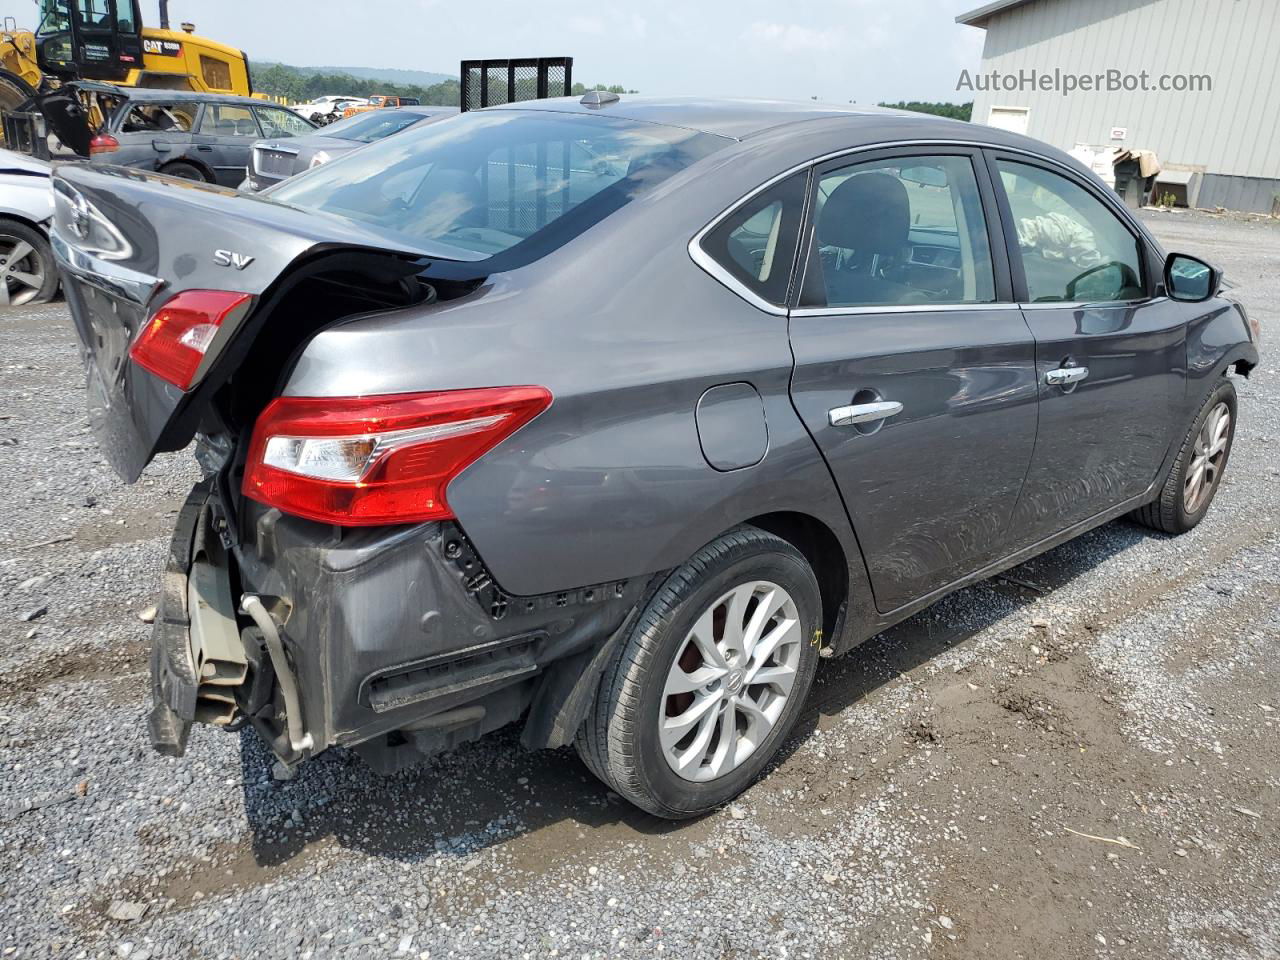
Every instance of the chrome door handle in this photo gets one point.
(1065, 376)
(863, 413)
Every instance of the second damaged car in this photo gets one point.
(610, 419)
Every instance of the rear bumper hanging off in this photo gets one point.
(173, 676)
(394, 641)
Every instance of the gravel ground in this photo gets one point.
(1084, 767)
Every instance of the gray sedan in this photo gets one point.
(273, 161)
(613, 418)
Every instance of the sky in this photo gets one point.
(837, 50)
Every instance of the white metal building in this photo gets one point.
(1219, 136)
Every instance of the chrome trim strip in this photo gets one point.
(901, 308)
(1087, 305)
(105, 275)
(277, 148)
(719, 273)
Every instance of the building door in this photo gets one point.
(1013, 119)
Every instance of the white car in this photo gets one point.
(27, 272)
(323, 106)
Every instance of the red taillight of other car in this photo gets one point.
(103, 143)
(365, 461)
(173, 343)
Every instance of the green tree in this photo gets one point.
(282, 80)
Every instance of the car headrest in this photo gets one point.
(869, 213)
(453, 198)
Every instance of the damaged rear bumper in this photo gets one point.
(173, 677)
(394, 641)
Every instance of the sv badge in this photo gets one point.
(229, 258)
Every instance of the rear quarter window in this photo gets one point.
(755, 245)
(159, 118)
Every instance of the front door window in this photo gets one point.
(1073, 249)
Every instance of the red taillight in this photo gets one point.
(357, 461)
(174, 341)
(103, 143)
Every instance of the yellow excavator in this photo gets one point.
(105, 40)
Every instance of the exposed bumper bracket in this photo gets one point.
(299, 739)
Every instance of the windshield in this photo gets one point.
(54, 17)
(488, 182)
(368, 127)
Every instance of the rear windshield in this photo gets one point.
(494, 182)
(371, 126)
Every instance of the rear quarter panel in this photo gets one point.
(627, 333)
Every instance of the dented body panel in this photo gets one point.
(673, 419)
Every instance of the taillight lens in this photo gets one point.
(364, 461)
(103, 143)
(174, 341)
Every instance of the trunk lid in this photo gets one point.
(128, 242)
(66, 117)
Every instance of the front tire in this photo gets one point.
(711, 679)
(1197, 472)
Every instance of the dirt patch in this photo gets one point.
(125, 526)
(19, 686)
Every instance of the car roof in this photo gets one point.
(427, 110)
(149, 94)
(732, 118)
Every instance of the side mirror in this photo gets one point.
(1189, 279)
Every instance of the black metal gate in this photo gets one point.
(487, 83)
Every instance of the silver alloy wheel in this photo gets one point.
(730, 681)
(1206, 464)
(21, 271)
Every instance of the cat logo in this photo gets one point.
(229, 258)
(161, 48)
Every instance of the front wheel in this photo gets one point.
(710, 680)
(1197, 472)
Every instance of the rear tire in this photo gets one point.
(185, 171)
(1197, 472)
(26, 264)
(637, 738)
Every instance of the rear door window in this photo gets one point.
(228, 120)
(902, 232)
